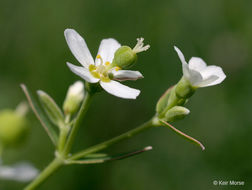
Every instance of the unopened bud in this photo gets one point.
(51, 108)
(13, 127)
(176, 113)
(75, 95)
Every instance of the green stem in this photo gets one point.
(106, 144)
(62, 138)
(1, 151)
(77, 123)
(48, 171)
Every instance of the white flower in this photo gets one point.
(19, 172)
(198, 73)
(99, 70)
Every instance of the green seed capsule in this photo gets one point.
(13, 127)
(124, 57)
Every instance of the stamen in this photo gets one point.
(99, 57)
(99, 71)
(140, 46)
(92, 67)
(117, 68)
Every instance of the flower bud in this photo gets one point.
(163, 101)
(51, 108)
(176, 113)
(75, 95)
(124, 57)
(184, 89)
(13, 127)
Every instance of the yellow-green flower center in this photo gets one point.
(101, 71)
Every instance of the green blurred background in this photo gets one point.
(33, 51)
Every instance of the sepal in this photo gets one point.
(184, 89)
(163, 101)
(51, 108)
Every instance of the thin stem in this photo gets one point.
(114, 140)
(62, 138)
(1, 151)
(48, 171)
(193, 140)
(77, 123)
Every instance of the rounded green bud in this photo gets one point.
(13, 127)
(75, 95)
(124, 57)
(184, 89)
(176, 113)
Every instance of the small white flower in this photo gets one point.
(198, 73)
(22, 172)
(99, 70)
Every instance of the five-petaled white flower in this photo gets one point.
(100, 70)
(198, 73)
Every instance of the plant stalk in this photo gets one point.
(48, 171)
(106, 144)
(77, 123)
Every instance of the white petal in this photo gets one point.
(212, 75)
(82, 72)
(206, 82)
(184, 64)
(123, 75)
(120, 90)
(107, 50)
(197, 64)
(78, 47)
(194, 77)
(19, 172)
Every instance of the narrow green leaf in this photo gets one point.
(97, 160)
(194, 141)
(51, 108)
(96, 155)
(41, 115)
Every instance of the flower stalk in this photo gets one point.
(48, 171)
(78, 121)
(147, 125)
